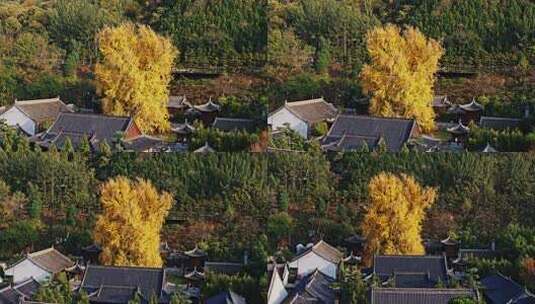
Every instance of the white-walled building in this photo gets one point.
(321, 256)
(40, 266)
(31, 115)
(301, 116)
(308, 276)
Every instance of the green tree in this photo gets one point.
(353, 289)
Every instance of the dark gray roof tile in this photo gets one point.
(432, 266)
(351, 131)
(314, 288)
(234, 124)
(499, 123)
(417, 296)
(499, 289)
(148, 281)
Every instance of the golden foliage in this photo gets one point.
(401, 74)
(397, 208)
(128, 230)
(134, 74)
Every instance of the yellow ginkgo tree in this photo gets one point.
(393, 222)
(401, 74)
(134, 74)
(128, 230)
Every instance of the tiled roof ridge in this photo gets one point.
(411, 256)
(233, 119)
(500, 118)
(41, 252)
(101, 115)
(123, 267)
(37, 101)
(137, 137)
(307, 101)
(328, 246)
(430, 290)
(36, 254)
(374, 117)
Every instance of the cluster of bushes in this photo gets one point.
(508, 140)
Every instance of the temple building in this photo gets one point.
(441, 104)
(301, 116)
(459, 133)
(353, 132)
(206, 112)
(468, 112)
(31, 116)
(177, 105)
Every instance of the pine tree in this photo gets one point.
(35, 202)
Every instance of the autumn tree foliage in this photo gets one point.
(527, 272)
(128, 229)
(134, 74)
(401, 74)
(394, 217)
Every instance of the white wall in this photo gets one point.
(27, 269)
(310, 262)
(283, 117)
(276, 293)
(15, 117)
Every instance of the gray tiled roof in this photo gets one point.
(417, 296)
(432, 266)
(499, 123)
(144, 143)
(473, 106)
(113, 294)
(21, 291)
(42, 110)
(178, 102)
(51, 260)
(441, 101)
(226, 297)
(233, 124)
(208, 107)
(314, 288)
(499, 289)
(324, 250)
(313, 110)
(223, 267)
(413, 280)
(95, 127)
(205, 149)
(120, 281)
(349, 132)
